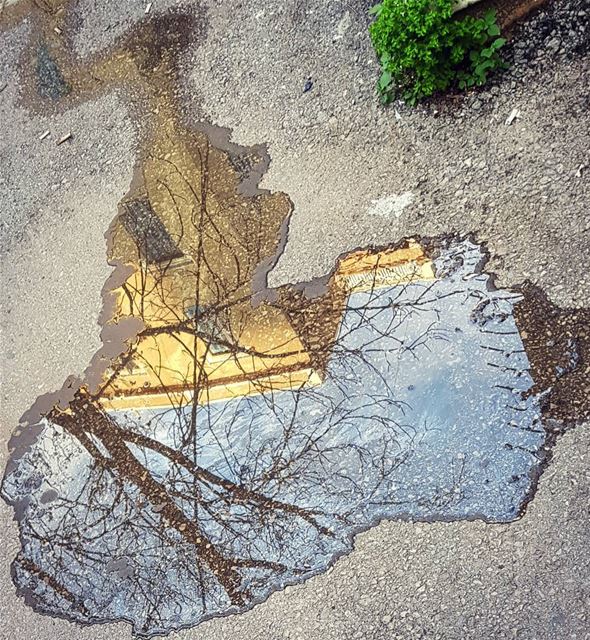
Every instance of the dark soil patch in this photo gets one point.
(508, 11)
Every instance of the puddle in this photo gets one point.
(228, 439)
(234, 448)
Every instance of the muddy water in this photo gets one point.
(229, 440)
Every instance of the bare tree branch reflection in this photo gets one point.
(237, 442)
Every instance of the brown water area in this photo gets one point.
(229, 439)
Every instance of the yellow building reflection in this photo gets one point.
(194, 243)
(245, 350)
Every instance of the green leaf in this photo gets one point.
(487, 53)
(376, 9)
(384, 80)
(485, 65)
(490, 17)
(494, 30)
(498, 43)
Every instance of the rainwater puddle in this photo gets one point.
(241, 438)
(228, 439)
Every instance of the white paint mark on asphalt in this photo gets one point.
(343, 26)
(392, 205)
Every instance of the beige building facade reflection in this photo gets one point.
(194, 243)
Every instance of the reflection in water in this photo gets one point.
(242, 436)
(235, 447)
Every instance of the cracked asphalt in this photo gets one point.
(521, 188)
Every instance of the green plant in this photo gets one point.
(423, 48)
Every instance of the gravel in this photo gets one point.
(560, 29)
